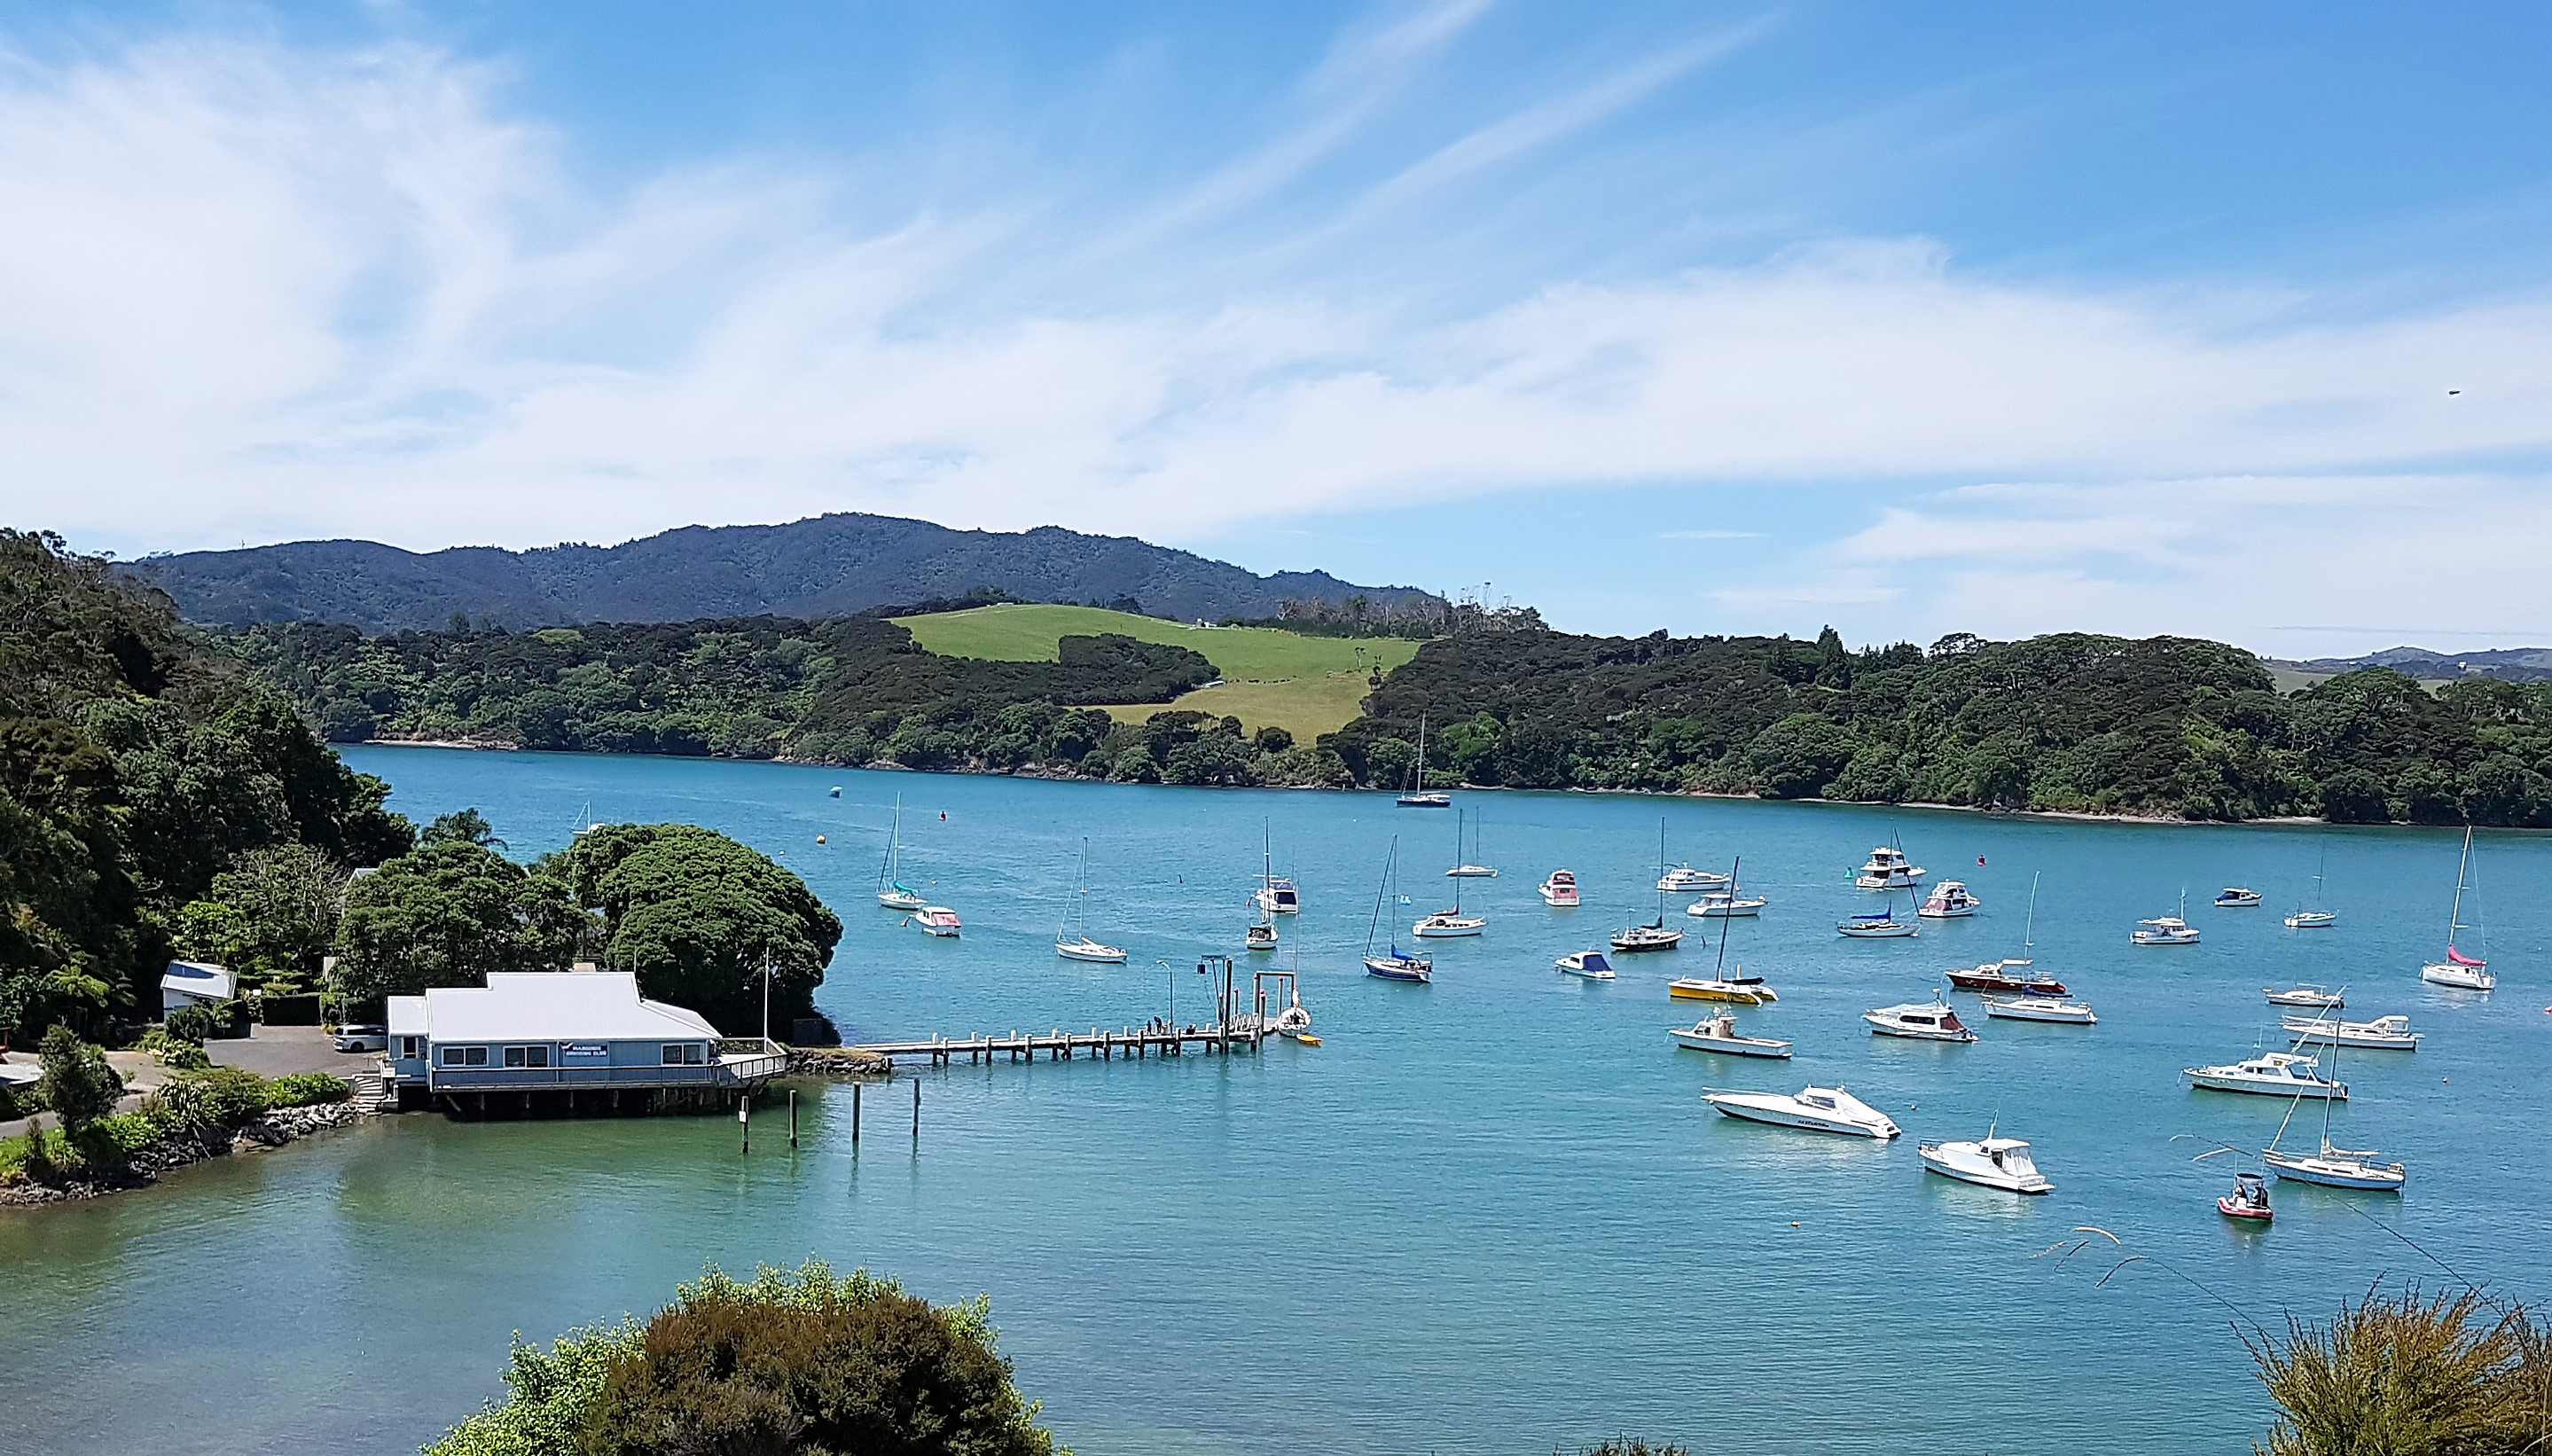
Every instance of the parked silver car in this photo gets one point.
(362, 1038)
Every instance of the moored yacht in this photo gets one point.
(2337, 1168)
(2274, 1074)
(1949, 900)
(1392, 966)
(2306, 994)
(1446, 924)
(1086, 949)
(2458, 971)
(1261, 936)
(1589, 963)
(1877, 925)
(1722, 904)
(1686, 880)
(2312, 920)
(1889, 868)
(937, 920)
(1278, 896)
(1720, 1034)
(1633, 939)
(1559, 892)
(1739, 989)
(1815, 1109)
(2041, 1008)
(2382, 1034)
(1931, 1020)
(2164, 930)
(2015, 976)
(2236, 897)
(1397, 967)
(1993, 1162)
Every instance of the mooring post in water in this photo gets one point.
(744, 1119)
(793, 1116)
(854, 1114)
(916, 1110)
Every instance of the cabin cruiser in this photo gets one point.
(2276, 1074)
(2306, 994)
(1632, 939)
(937, 920)
(1931, 1020)
(1995, 1162)
(2312, 920)
(1446, 924)
(1721, 904)
(1816, 1109)
(2041, 1008)
(2014, 976)
(1261, 936)
(2236, 897)
(1559, 892)
(1278, 898)
(1719, 1034)
(2459, 972)
(1889, 868)
(1589, 963)
(1686, 880)
(2249, 1198)
(1880, 925)
(2337, 1168)
(1949, 900)
(2384, 1033)
(1086, 949)
(2164, 930)
(1397, 967)
(1739, 989)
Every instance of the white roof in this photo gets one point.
(197, 979)
(555, 1005)
(407, 1016)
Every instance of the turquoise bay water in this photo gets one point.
(1488, 1215)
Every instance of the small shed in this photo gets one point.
(194, 984)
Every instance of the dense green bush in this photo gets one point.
(788, 1363)
(173, 1051)
(77, 1086)
(2457, 1375)
(192, 1023)
(208, 1099)
(300, 1008)
(111, 1142)
(306, 1089)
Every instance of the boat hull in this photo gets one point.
(1560, 901)
(1642, 947)
(2032, 1008)
(1783, 1112)
(2265, 1086)
(1733, 993)
(1445, 929)
(1897, 931)
(1982, 1176)
(2247, 1212)
(2458, 977)
(2004, 984)
(1425, 801)
(2312, 920)
(2338, 1173)
(1105, 954)
(1416, 973)
(1926, 1033)
(1743, 1046)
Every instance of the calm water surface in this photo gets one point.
(1488, 1215)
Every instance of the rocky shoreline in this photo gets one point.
(839, 1063)
(274, 1130)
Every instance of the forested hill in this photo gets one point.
(2166, 726)
(831, 566)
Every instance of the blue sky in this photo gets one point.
(2000, 318)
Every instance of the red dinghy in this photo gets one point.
(2007, 975)
(2248, 1200)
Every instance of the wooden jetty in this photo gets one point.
(1248, 1034)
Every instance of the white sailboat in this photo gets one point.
(1261, 934)
(1392, 966)
(893, 892)
(2331, 1167)
(2317, 918)
(1418, 795)
(1468, 868)
(2459, 971)
(1654, 936)
(1079, 946)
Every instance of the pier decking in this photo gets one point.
(1059, 1045)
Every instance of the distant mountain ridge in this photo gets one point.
(829, 566)
(2508, 664)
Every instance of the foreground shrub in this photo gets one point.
(2413, 1375)
(306, 1089)
(77, 1084)
(787, 1364)
(208, 1099)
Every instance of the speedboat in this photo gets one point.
(2236, 897)
(1882, 925)
(1397, 967)
(2312, 920)
(1470, 872)
(2248, 1200)
(1447, 924)
(2306, 994)
(2337, 1168)
(2164, 930)
(2008, 976)
(1719, 1034)
(1931, 1020)
(1086, 949)
(2041, 1008)
(2275, 1073)
(1632, 939)
(2459, 972)
(1889, 868)
(1278, 898)
(1949, 900)
(1559, 892)
(1995, 1162)
(1261, 936)
(1723, 904)
(1686, 880)
(1739, 990)
(1589, 963)
(1816, 1109)
(937, 920)
(2384, 1033)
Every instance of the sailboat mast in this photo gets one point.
(2463, 867)
(1390, 863)
(2029, 935)
(1727, 921)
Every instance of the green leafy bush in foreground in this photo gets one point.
(789, 1363)
(306, 1089)
(2413, 1375)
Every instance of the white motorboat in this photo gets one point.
(2312, 920)
(1932, 1021)
(2041, 1008)
(2382, 1034)
(891, 892)
(2458, 971)
(1278, 896)
(1559, 892)
(2274, 1074)
(2337, 1168)
(1448, 925)
(937, 920)
(1719, 1034)
(1686, 880)
(1392, 966)
(2237, 897)
(1467, 869)
(1420, 797)
(1815, 1109)
(1882, 925)
(1949, 900)
(1889, 868)
(1724, 904)
(1589, 963)
(2164, 930)
(1995, 1162)
(2306, 994)
(1080, 947)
